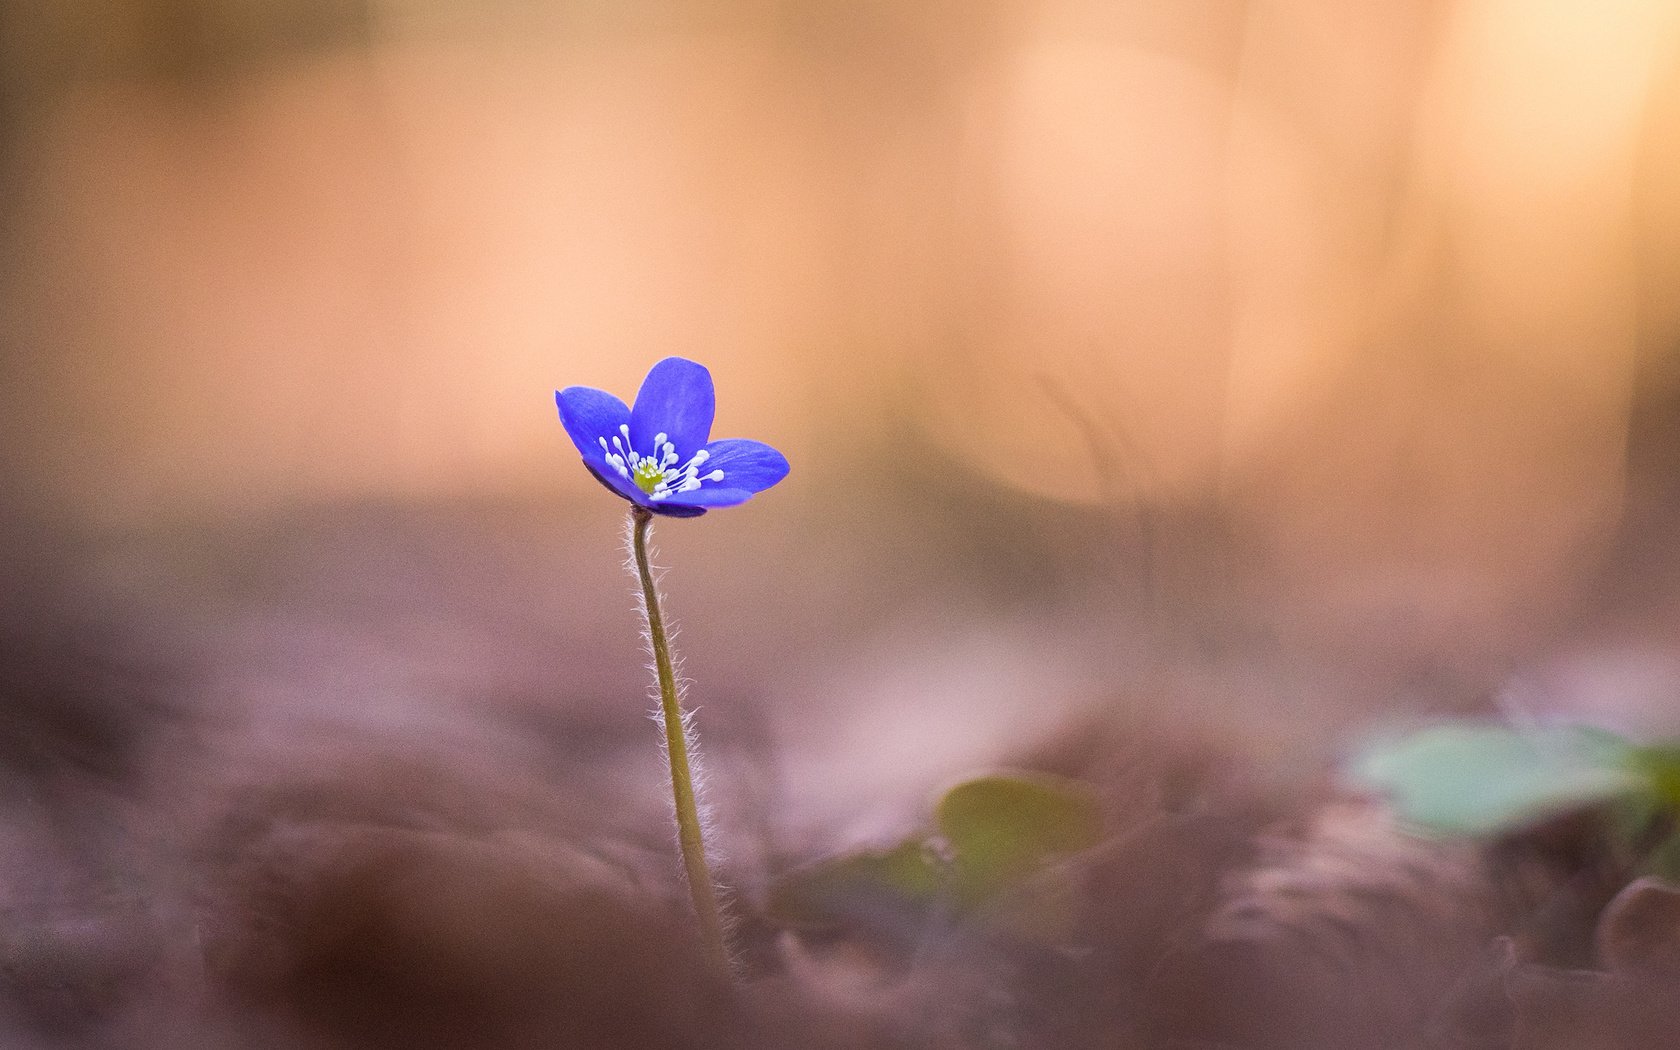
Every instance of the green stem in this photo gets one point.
(700, 887)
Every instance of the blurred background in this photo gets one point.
(1284, 367)
(1276, 368)
(1299, 358)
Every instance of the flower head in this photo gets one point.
(656, 455)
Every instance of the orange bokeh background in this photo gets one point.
(1308, 328)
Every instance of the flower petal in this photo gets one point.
(606, 475)
(701, 499)
(589, 415)
(676, 400)
(680, 510)
(750, 465)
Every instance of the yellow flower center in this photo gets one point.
(647, 475)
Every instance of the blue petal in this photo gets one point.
(701, 499)
(606, 475)
(678, 511)
(749, 467)
(676, 400)
(589, 415)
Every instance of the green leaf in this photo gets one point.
(1001, 830)
(1478, 779)
(877, 889)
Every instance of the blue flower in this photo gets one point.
(657, 455)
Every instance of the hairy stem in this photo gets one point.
(700, 887)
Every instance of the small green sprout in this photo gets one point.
(993, 857)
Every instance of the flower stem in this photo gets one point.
(700, 887)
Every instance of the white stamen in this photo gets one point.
(670, 478)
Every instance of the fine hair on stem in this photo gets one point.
(679, 748)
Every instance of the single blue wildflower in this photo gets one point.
(657, 455)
